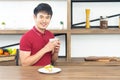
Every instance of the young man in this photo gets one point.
(35, 47)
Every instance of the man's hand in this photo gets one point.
(57, 47)
(49, 46)
(52, 45)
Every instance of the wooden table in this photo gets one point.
(67, 73)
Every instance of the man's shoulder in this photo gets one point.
(28, 33)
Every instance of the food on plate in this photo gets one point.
(49, 67)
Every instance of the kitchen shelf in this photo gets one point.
(59, 31)
(9, 32)
(96, 31)
(74, 28)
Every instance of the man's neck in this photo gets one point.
(40, 30)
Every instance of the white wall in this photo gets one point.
(19, 14)
(95, 45)
(9, 39)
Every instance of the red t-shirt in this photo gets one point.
(33, 41)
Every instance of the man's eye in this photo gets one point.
(41, 16)
(48, 17)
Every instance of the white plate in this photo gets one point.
(54, 70)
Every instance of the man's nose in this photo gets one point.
(44, 20)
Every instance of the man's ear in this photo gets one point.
(34, 16)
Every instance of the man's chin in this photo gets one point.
(43, 28)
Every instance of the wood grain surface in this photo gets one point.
(67, 73)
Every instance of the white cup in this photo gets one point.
(53, 39)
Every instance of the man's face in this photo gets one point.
(42, 20)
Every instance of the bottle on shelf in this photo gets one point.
(103, 22)
(87, 18)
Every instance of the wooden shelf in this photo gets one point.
(59, 31)
(7, 58)
(96, 31)
(72, 31)
(10, 32)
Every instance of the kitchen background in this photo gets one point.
(19, 15)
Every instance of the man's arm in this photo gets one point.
(27, 60)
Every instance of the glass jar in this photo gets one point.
(103, 22)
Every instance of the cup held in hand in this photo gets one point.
(53, 39)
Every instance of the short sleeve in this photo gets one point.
(25, 44)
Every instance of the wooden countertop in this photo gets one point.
(67, 73)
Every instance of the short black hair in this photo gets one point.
(43, 7)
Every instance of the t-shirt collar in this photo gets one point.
(34, 28)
